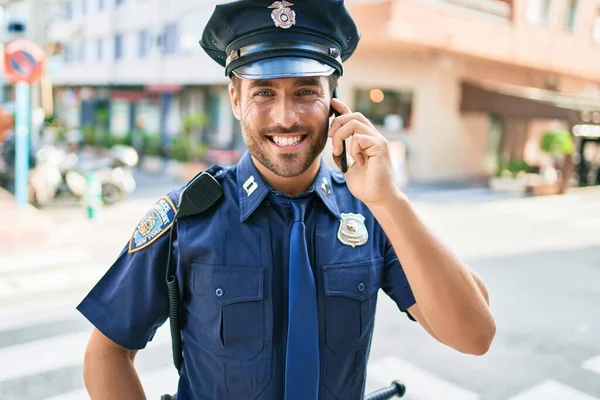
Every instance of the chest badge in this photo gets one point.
(283, 16)
(352, 231)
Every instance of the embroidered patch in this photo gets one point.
(158, 221)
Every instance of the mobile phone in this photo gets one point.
(343, 159)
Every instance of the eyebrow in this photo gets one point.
(311, 81)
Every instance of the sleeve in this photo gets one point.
(395, 283)
(130, 302)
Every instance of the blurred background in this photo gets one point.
(492, 112)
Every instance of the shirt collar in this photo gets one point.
(253, 189)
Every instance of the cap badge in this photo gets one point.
(352, 231)
(283, 16)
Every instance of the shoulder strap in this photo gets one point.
(198, 195)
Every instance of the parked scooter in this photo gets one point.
(114, 172)
(62, 173)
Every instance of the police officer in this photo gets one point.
(279, 279)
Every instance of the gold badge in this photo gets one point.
(352, 231)
(283, 16)
(147, 224)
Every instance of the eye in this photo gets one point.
(306, 92)
(263, 93)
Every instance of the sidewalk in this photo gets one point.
(21, 227)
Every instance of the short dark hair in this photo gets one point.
(333, 81)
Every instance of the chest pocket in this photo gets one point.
(350, 302)
(228, 308)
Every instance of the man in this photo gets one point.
(279, 279)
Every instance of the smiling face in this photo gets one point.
(284, 121)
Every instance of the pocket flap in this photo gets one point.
(357, 280)
(227, 285)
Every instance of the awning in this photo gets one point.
(526, 102)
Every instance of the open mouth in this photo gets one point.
(287, 141)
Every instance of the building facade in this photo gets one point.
(456, 85)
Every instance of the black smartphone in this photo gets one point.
(343, 159)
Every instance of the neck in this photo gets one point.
(291, 186)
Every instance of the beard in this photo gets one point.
(286, 165)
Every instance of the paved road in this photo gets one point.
(539, 257)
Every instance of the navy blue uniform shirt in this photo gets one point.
(232, 265)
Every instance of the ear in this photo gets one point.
(234, 97)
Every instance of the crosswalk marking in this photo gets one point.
(41, 260)
(420, 384)
(42, 355)
(552, 390)
(50, 354)
(38, 314)
(592, 364)
(155, 383)
(44, 281)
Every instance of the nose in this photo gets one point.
(285, 112)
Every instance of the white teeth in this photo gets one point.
(286, 140)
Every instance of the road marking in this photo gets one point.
(50, 354)
(552, 390)
(592, 364)
(46, 259)
(22, 317)
(155, 383)
(420, 384)
(34, 282)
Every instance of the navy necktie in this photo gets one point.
(302, 353)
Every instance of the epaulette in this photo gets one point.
(338, 176)
(217, 171)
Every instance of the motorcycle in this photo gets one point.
(62, 173)
(114, 172)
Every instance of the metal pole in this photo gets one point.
(22, 142)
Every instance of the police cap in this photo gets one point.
(262, 39)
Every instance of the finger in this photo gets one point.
(357, 153)
(347, 130)
(338, 161)
(340, 106)
(369, 145)
(340, 121)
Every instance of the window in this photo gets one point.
(118, 46)
(81, 52)
(83, 7)
(118, 2)
(571, 15)
(69, 10)
(596, 28)
(143, 43)
(67, 53)
(101, 4)
(385, 107)
(538, 12)
(170, 40)
(99, 45)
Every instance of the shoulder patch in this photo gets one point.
(156, 222)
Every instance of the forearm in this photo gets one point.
(447, 293)
(109, 374)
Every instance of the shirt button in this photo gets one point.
(219, 292)
(267, 203)
(361, 287)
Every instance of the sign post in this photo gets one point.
(23, 64)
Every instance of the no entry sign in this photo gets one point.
(23, 61)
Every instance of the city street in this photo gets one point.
(540, 258)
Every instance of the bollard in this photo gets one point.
(93, 195)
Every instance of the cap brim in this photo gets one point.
(283, 67)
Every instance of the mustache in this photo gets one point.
(280, 130)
